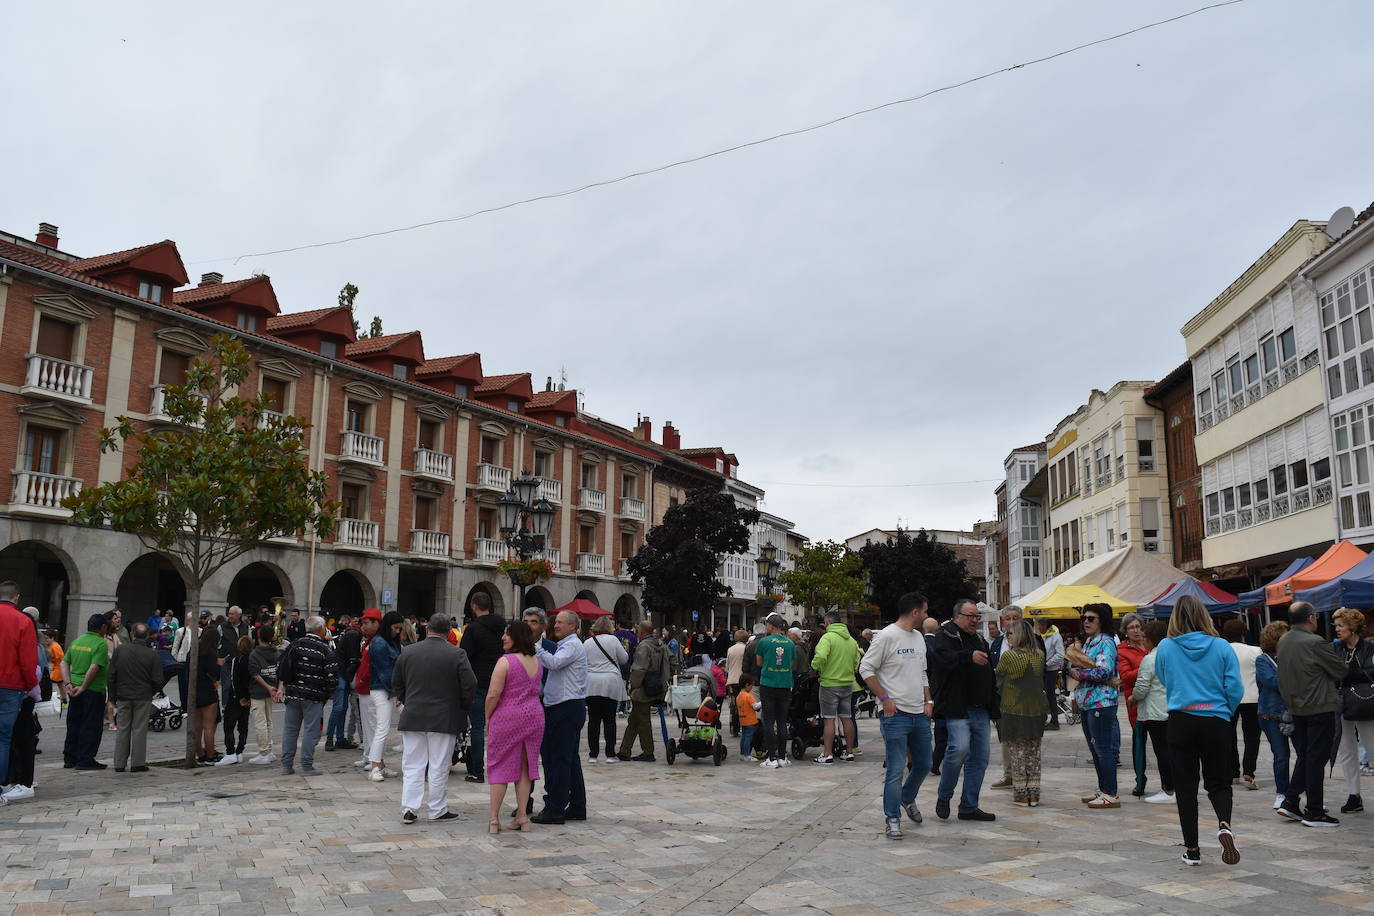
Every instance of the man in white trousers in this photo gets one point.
(433, 686)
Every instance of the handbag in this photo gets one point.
(623, 666)
(1355, 706)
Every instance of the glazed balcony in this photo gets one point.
(57, 378)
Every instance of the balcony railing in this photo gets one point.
(429, 463)
(595, 500)
(493, 477)
(360, 447)
(1253, 392)
(358, 534)
(591, 564)
(624, 569)
(552, 490)
(159, 411)
(1147, 465)
(1288, 503)
(42, 494)
(487, 550)
(554, 556)
(630, 507)
(1151, 545)
(269, 418)
(58, 378)
(429, 543)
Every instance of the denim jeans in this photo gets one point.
(906, 733)
(10, 701)
(477, 736)
(1278, 747)
(303, 722)
(967, 751)
(1103, 733)
(338, 712)
(746, 740)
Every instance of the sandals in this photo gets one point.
(1250, 782)
(493, 826)
(521, 825)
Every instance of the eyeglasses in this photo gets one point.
(969, 616)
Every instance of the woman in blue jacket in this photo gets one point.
(1202, 678)
(1272, 712)
(382, 653)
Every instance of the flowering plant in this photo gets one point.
(525, 572)
(775, 597)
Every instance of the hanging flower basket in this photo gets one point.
(775, 597)
(526, 572)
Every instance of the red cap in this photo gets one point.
(372, 614)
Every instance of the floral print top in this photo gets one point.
(1093, 691)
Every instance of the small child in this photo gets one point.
(748, 714)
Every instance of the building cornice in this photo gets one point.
(1297, 232)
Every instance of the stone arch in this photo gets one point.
(45, 575)
(346, 592)
(257, 584)
(151, 581)
(589, 595)
(626, 609)
(498, 603)
(539, 596)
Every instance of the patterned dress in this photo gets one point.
(516, 726)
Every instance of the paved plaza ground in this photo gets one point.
(691, 838)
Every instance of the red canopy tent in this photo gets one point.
(584, 609)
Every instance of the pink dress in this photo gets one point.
(516, 727)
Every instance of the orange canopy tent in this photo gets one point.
(1339, 558)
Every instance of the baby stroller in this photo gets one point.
(692, 697)
(1063, 700)
(165, 714)
(804, 720)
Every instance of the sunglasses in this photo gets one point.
(1089, 617)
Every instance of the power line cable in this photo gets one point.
(736, 148)
(876, 486)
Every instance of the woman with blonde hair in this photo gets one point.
(1272, 711)
(605, 686)
(1021, 676)
(1202, 681)
(1356, 699)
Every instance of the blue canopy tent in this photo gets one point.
(1352, 588)
(1255, 597)
(1214, 599)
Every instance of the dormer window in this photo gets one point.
(460, 389)
(512, 405)
(399, 370)
(247, 321)
(150, 291)
(329, 348)
(720, 466)
(561, 420)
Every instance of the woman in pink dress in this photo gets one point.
(515, 724)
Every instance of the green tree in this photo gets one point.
(916, 563)
(824, 575)
(677, 564)
(219, 481)
(375, 329)
(347, 296)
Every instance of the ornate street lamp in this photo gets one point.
(525, 523)
(768, 567)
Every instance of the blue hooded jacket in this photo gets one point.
(1201, 675)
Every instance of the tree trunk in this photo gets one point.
(192, 671)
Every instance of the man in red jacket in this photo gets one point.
(18, 666)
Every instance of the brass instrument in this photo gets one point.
(279, 621)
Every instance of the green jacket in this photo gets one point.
(837, 657)
(1308, 673)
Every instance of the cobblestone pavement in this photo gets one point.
(690, 838)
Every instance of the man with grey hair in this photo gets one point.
(234, 628)
(650, 673)
(836, 660)
(433, 686)
(307, 672)
(565, 712)
(135, 676)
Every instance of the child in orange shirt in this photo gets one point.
(748, 714)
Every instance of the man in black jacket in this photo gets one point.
(965, 689)
(308, 671)
(230, 632)
(482, 643)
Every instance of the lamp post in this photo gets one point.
(525, 522)
(868, 595)
(768, 566)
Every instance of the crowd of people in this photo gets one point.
(513, 700)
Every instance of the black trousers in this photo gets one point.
(937, 756)
(1194, 741)
(235, 717)
(776, 703)
(1312, 736)
(601, 725)
(564, 789)
(1052, 682)
(23, 746)
(85, 723)
(1247, 714)
(1159, 740)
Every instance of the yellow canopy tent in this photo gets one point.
(1068, 600)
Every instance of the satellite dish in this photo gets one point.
(1340, 222)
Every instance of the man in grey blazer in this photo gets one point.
(433, 686)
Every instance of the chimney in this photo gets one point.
(211, 278)
(671, 438)
(47, 235)
(644, 430)
(548, 384)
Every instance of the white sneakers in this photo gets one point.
(229, 759)
(769, 764)
(16, 793)
(1278, 801)
(375, 774)
(360, 762)
(593, 760)
(1163, 798)
(263, 759)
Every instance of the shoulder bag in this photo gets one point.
(623, 666)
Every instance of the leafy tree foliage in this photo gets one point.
(348, 296)
(677, 564)
(824, 575)
(916, 563)
(219, 481)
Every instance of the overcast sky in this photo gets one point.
(898, 299)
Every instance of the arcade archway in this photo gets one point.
(257, 584)
(345, 592)
(41, 573)
(150, 583)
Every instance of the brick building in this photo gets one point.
(1173, 395)
(418, 449)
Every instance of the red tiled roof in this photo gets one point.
(213, 290)
(443, 363)
(552, 398)
(115, 257)
(369, 345)
(300, 319)
(500, 382)
(1033, 447)
(713, 450)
